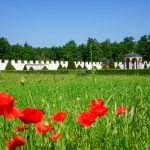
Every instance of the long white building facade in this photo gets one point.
(53, 65)
(131, 61)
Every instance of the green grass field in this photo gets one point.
(72, 93)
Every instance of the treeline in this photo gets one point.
(71, 51)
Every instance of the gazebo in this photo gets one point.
(132, 61)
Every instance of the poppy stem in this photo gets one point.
(4, 127)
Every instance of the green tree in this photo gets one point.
(82, 49)
(106, 48)
(117, 55)
(70, 51)
(5, 49)
(143, 47)
(94, 45)
(127, 45)
(28, 52)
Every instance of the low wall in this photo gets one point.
(53, 65)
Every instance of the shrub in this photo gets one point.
(118, 67)
(25, 67)
(105, 67)
(9, 66)
(123, 72)
(44, 68)
(59, 67)
(64, 68)
(79, 67)
(111, 65)
(31, 68)
(94, 67)
(71, 65)
(86, 72)
(145, 66)
(85, 68)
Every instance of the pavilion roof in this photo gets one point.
(133, 55)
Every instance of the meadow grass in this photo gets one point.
(72, 93)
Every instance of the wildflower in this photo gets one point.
(59, 116)
(6, 104)
(99, 110)
(7, 107)
(86, 118)
(21, 128)
(43, 127)
(121, 109)
(16, 113)
(31, 115)
(99, 102)
(15, 141)
(97, 107)
(55, 136)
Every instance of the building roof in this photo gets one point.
(133, 55)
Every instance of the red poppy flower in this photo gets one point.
(15, 141)
(6, 104)
(99, 110)
(31, 115)
(59, 116)
(121, 109)
(99, 102)
(43, 127)
(55, 136)
(15, 113)
(86, 118)
(21, 128)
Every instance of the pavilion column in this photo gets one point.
(125, 64)
(135, 65)
(130, 63)
(138, 63)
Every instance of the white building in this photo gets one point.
(131, 61)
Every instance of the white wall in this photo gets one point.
(51, 65)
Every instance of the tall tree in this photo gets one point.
(17, 52)
(83, 51)
(127, 45)
(97, 53)
(143, 46)
(70, 51)
(106, 48)
(29, 52)
(5, 49)
(116, 51)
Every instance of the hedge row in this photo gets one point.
(40, 71)
(124, 72)
(85, 72)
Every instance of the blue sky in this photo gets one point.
(55, 22)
